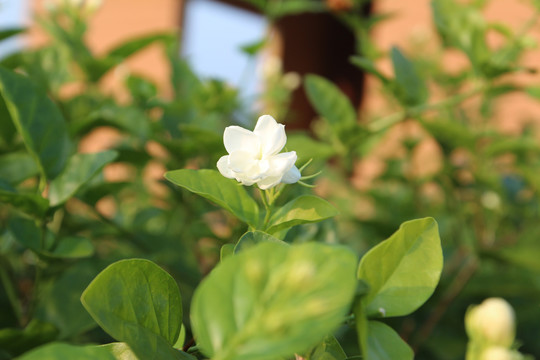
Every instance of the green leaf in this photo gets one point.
(72, 247)
(226, 193)
(126, 118)
(38, 120)
(17, 167)
(276, 9)
(137, 302)
(117, 55)
(302, 210)
(78, 171)
(6, 33)
(403, 270)
(411, 89)
(226, 251)
(30, 204)
(308, 148)
(59, 300)
(330, 103)
(252, 238)
(122, 351)
(272, 301)
(328, 349)
(56, 351)
(385, 344)
(368, 66)
(16, 341)
(179, 344)
(28, 234)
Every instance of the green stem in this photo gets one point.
(387, 121)
(11, 293)
(267, 206)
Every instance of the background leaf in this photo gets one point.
(272, 301)
(79, 170)
(403, 270)
(37, 120)
(226, 193)
(330, 102)
(411, 89)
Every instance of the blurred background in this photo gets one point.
(410, 108)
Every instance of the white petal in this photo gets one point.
(281, 163)
(223, 167)
(268, 182)
(291, 176)
(271, 134)
(236, 138)
(243, 162)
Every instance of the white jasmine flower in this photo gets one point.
(254, 156)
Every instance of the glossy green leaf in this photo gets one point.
(411, 89)
(302, 210)
(385, 344)
(330, 102)
(226, 193)
(122, 351)
(16, 167)
(78, 171)
(38, 120)
(252, 238)
(328, 349)
(403, 270)
(272, 301)
(56, 351)
(137, 302)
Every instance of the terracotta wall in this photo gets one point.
(120, 20)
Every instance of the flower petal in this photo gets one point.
(223, 167)
(291, 176)
(236, 138)
(268, 182)
(281, 163)
(271, 134)
(243, 162)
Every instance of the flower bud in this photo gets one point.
(500, 353)
(491, 322)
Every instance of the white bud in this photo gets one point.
(491, 200)
(491, 322)
(291, 80)
(500, 353)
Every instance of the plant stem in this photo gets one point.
(11, 293)
(387, 121)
